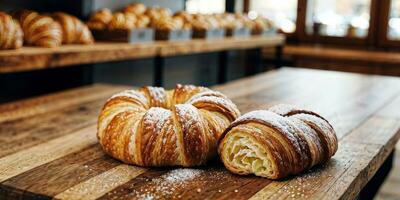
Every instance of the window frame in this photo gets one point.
(382, 38)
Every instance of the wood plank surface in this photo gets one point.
(52, 151)
(331, 53)
(35, 58)
(168, 48)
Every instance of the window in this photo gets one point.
(205, 6)
(283, 14)
(394, 21)
(340, 18)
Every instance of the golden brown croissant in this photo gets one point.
(135, 8)
(74, 31)
(168, 24)
(277, 142)
(154, 127)
(11, 35)
(142, 21)
(121, 20)
(39, 30)
(100, 19)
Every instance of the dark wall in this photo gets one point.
(197, 69)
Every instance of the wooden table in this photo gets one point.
(48, 146)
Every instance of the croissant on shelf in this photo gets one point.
(74, 31)
(155, 127)
(167, 24)
(11, 35)
(39, 30)
(122, 20)
(142, 21)
(100, 19)
(277, 142)
(135, 8)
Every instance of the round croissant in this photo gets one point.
(121, 20)
(74, 31)
(11, 35)
(100, 19)
(39, 30)
(154, 127)
(277, 142)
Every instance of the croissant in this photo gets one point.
(142, 21)
(39, 30)
(277, 142)
(100, 19)
(74, 31)
(135, 8)
(154, 127)
(168, 24)
(11, 35)
(121, 20)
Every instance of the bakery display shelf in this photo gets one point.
(35, 58)
(54, 152)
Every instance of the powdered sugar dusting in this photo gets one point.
(282, 109)
(223, 102)
(157, 94)
(131, 94)
(155, 118)
(167, 184)
(207, 93)
(188, 116)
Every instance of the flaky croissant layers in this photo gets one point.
(186, 126)
(277, 142)
(154, 127)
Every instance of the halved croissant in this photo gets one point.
(11, 35)
(39, 30)
(154, 127)
(100, 19)
(277, 142)
(74, 31)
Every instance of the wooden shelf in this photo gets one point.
(35, 58)
(203, 46)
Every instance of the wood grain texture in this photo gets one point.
(35, 58)
(341, 54)
(168, 48)
(64, 161)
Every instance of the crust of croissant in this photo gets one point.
(195, 142)
(327, 135)
(313, 141)
(73, 29)
(38, 29)
(117, 135)
(11, 36)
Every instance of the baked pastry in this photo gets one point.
(142, 21)
(277, 142)
(154, 127)
(74, 31)
(100, 19)
(11, 35)
(123, 21)
(168, 24)
(135, 8)
(39, 30)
